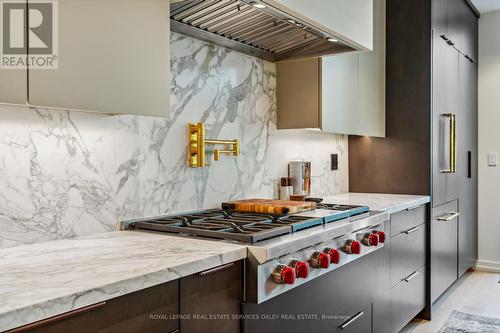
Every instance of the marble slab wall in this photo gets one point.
(66, 174)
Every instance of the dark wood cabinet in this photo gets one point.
(431, 84)
(467, 167)
(456, 21)
(150, 310)
(445, 105)
(210, 301)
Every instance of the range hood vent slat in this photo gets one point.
(267, 32)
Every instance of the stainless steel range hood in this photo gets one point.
(253, 28)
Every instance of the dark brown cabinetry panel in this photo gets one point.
(467, 167)
(445, 101)
(150, 310)
(211, 293)
(456, 20)
(400, 163)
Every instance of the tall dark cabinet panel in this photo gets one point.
(431, 122)
(467, 167)
(445, 105)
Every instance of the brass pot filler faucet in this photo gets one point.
(197, 143)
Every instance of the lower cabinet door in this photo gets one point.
(407, 299)
(444, 248)
(210, 301)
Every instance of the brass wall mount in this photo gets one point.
(198, 143)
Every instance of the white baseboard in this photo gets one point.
(488, 266)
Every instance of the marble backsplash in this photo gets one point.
(66, 174)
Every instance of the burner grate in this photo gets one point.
(240, 226)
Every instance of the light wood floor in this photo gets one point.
(475, 293)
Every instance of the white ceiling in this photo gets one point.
(485, 6)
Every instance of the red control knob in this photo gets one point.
(370, 239)
(334, 255)
(320, 260)
(381, 235)
(302, 269)
(352, 246)
(284, 275)
(288, 275)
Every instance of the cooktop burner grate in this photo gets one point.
(240, 226)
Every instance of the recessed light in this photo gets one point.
(257, 4)
(333, 40)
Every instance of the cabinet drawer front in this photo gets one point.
(407, 299)
(444, 250)
(407, 253)
(407, 219)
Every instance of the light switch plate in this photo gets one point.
(492, 159)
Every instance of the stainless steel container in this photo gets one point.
(300, 172)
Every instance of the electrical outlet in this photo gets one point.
(334, 158)
(492, 159)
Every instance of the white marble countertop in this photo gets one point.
(42, 280)
(391, 203)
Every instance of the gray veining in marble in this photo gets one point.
(66, 174)
(41, 280)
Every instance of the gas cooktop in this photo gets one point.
(244, 227)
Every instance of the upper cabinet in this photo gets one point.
(456, 22)
(351, 20)
(337, 94)
(113, 57)
(13, 86)
(13, 80)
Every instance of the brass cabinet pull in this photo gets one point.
(351, 320)
(452, 164)
(411, 276)
(448, 217)
(412, 230)
(454, 119)
(216, 269)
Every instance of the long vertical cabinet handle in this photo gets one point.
(454, 120)
(451, 146)
(469, 164)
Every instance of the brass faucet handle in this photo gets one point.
(236, 147)
(216, 154)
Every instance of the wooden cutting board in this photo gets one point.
(268, 206)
